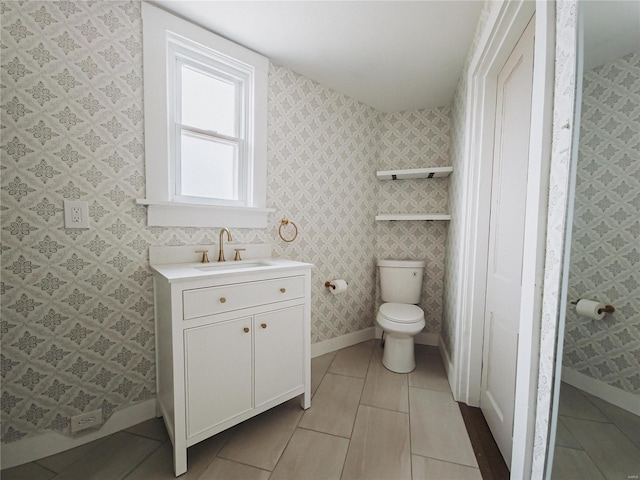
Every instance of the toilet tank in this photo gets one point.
(401, 280)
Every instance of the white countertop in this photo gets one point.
(177, 272)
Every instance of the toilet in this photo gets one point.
(399, 316)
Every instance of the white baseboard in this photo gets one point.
(625, 400)
(423, 338)
(342, 341)
(426, 338)
(448, 365)
(50, 443)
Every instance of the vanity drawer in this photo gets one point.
(208, 301)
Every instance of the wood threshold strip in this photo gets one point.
(492, 465)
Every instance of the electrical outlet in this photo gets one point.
(76, 214)
(86, 420)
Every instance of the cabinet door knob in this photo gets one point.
(246, 329)
(263, 325)
(222, 299)
(283, 290)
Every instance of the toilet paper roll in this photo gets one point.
(338, 286)
(590, 309)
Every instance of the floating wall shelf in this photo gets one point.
(431, 172)
(413, 216)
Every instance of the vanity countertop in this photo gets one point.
(178, 272)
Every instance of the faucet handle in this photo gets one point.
(205, 257)
(238, 250)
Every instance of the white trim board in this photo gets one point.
(344, 341)
(51, 443)
(625, 400)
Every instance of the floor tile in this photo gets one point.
(624, 420)
(319, 366)
(437, 428)
(334, 405)
(564, 438)
(261, 440)
(62, 460)
(364, 422)
(228, 470)
(129, 450)
(154, 429)
(432, 469)
(572, 464)
(574, 404)
(159, 465)
(429, 373)
(352, 361)
(613, 453)
(28, 471)
(385, 389)
(427, 350)
(312, 455)
(380, 446)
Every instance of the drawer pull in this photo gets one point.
(263, 325)
(246, 329)
(283, 290)
(222, 299)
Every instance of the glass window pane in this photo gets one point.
(208, 102)
(209, 168)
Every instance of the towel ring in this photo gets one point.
(284, 222)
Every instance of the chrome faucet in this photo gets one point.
(229, 237)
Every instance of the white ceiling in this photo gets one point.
(391, 55)
(611, 30)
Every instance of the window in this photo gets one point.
(205, 126)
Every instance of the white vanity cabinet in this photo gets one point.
(228, 347)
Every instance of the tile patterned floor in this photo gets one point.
(594, 439)
(365, 422)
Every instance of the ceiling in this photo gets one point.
(391, 55)
(611, 30)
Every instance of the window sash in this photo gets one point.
(210, 66)
(241, 165)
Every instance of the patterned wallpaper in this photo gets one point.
(412, 140)
(605, 254)
(77, 315)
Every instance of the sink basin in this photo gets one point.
(233, 266)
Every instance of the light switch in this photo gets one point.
(76, 214)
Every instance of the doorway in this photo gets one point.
(505, 25)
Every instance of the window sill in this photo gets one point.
(174, 214)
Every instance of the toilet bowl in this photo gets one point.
(400, 319)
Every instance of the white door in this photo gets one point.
(506, 237)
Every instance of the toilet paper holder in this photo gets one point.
(606, 309)
(329, 284)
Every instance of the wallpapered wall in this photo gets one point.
(451, 297)
(77, 314)
(605, 255)
(412, 140)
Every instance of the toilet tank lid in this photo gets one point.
(401, 263)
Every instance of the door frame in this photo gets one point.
(505, 25)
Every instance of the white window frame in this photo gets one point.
(168, 40)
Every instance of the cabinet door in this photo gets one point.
(218, 379)
(279, 347)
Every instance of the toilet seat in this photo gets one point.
(401, 313)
